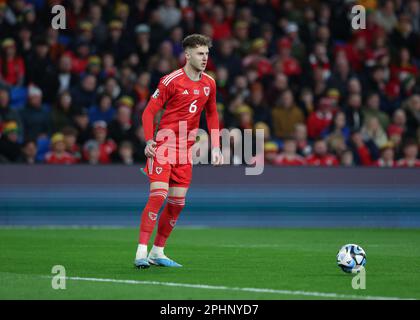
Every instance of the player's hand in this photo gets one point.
(150, 150)
(216, 157)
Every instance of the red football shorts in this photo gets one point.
(176, 175)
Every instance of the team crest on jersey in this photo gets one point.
(156, 94)
(158, 170)
(153, 216)
(206, 90)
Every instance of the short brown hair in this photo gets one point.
(196, 40)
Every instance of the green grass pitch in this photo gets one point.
(218, 264)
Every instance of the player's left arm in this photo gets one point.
(212, 118)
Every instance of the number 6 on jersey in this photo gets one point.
(193, 107)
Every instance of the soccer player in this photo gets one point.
(181, 95)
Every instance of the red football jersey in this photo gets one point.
(64, 158)
(408, 164)
(382, 163)
(182, 100)
(327, 160)
(283, 160)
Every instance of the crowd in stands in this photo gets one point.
(324, 93)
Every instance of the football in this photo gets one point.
(351, 258)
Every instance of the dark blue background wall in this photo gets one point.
(291, 197)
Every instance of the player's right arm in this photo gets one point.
(156, 103)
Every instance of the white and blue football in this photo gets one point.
(351, 258)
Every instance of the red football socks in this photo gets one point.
(150, 214)
(168, 219)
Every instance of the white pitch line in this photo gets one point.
(259, 290)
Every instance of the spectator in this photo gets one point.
(319, 59)
(35, 116)
(109, 70)
(372, 109)
(398, 125)
(142, 92)
(403, 35)
(169, 14)
(270, 151)
(81, 123)
(84, 95)
(164, 53)
(106, 146)
(116, 42)
(277, 87)
(125, 154)
(290, 65)
(341, 74)
(70, 140)
(372, 130)
(289, 157)
(66, 79)
(387, 158)
(220, 24)
(300, 135)
(62, 111)
(413, 10)
(91, 152)
(79, 56)
(227, 58)
(6, 112)
(139, 144)
(57, 47)
(142, 46)
(24, 41)
(411, 150)
(41, 71)
(12, 67)
(241, 39)
(413, 116)
(346, 158)
(256, 59)
(337, 127)
(320, 120)
(321, 157)
(385, 17)
(354, 114)
(244, 116)
(103, 110)
(9, 146)
(58, 154)
(28, 152)
(110, 87)
(121, 128)
(5, 26)
(258, 104)
(99, 29)
(286, 115)
(364, 152)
